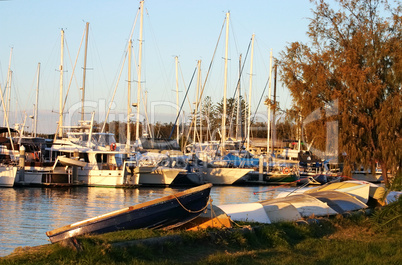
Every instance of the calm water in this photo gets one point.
(27, 213)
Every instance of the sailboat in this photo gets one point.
(91, 158)
(218, 171)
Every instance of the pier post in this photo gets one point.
(75, 168)
(261, 168)
(22, 164)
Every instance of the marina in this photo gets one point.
(306, 135)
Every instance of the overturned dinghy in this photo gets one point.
(281, 212)
(305, 204)
(167, 212)
(287, 209)
(358, 190)
(246, 212)
(339, 201)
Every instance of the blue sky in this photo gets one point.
(188, 29)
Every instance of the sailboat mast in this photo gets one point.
(199, 99)
(8, 86)
(274, 110)
(238, 103)
(84, 74)
(177, 99)
(225, 84)
(137, 129)
(36, 102)
(6, 119)
(249, 93)
(129, 97)
(61, 85)
(196, 100)
(269, 101)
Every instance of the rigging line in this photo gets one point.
(239, 79)
(255, 113)
(209, 69)
(259, 102)
(71, 79)
(157, 49)
(121, 70)
(234, 36)
(145, 104)
(114, 93)
(184, 84)
(72, 74)
(95, 48)
(30, 89)
(188, 88)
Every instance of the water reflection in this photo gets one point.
(27, 213)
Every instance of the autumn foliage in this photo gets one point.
(353, 58)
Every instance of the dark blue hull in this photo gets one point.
(167, 212)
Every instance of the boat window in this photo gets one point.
(84, 156)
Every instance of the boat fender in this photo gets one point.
(113, 146)
(286, 170)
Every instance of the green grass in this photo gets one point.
(357, 239)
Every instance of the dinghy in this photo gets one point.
(167, 212)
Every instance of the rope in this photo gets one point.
(190, 211)
(213, 215)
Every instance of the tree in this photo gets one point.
(354, 59)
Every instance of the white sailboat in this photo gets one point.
(216, 173)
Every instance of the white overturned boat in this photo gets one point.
(288, 209)
(358, 190)
(294, 207)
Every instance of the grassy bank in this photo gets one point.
(356, 239)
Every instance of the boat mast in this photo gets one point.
(137, 129)
(6, 119)
(249, 93)
(36, 102)
(225, 85)
(61, 85)
(196, 99)
(177, 100)
(269, 101)
(274, 110)
(238, 103)
(199, 95)
(8, 86)
(129, 97)
(84, 74)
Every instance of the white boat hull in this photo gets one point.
(224, 176)
(105, 177)
(160, 176)
(246, 212)
(360, 191)
(7, 176)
